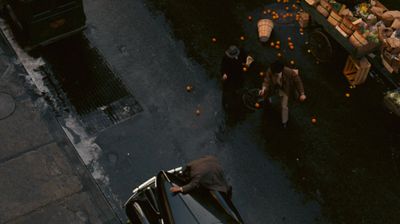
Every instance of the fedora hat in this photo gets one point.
(233, 51)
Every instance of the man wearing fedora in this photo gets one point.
(283, 81)
(234, 63)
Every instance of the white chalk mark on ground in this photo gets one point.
(30, 64)
(85, 145)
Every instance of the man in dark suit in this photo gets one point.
(234, 63)
(207, 173)
(282, 80)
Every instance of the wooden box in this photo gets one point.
(356, 71)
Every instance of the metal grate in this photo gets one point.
(81, 81)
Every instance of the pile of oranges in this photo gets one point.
(275, 15)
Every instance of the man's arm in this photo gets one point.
(224, 68)
(266, 84)
(298, 82)
(194, 183)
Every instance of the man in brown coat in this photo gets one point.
(281, 80)
(207, 173)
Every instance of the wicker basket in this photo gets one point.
(334, 18)
(265, 27)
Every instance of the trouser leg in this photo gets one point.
(284, 107)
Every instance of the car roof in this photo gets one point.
(198, 206)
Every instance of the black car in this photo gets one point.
(152, 202)
(41, 22)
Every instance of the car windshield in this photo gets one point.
(198, 206)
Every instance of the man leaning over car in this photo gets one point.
(207, 173)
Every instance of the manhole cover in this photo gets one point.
(7, 105)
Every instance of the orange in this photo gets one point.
(314, 120)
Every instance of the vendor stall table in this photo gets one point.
(360, 63)
(318, 18)
(367, 57)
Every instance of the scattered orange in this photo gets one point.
(272, 44)
(314, 120)
(278, 42)
(347, 95)
(264, 12)
(261, 73)
(277, 46)
(249, 18)
(286, 8)
(214, 39)
(245, 69)
(292, 62)
(241, 37)
(279, 54)
(289, 38)
(291, 47)
(257, 105)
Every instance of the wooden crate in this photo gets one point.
(356, 71)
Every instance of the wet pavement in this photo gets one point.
(129, 72)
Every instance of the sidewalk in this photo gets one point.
(42, 179)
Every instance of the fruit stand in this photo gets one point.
(370, 52)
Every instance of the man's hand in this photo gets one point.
(176, 189)
(249, 60)
(225, 77)
(262, 91)
(302, 97)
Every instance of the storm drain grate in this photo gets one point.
(82, 81)
(110, 114)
